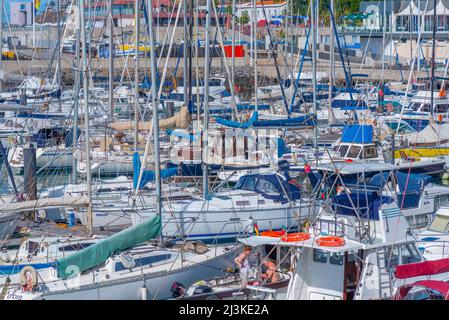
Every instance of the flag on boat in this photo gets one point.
(256, 229)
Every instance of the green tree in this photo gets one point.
(244, 18)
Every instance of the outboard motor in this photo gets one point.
(177, 289)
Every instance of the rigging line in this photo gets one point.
(273, 55)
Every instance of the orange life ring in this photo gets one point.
(274, 234)
(295, 237)
(331, 242)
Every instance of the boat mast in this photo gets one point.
(111, 62)
(136, 77)
(331, 65)
(86, 117)
(314, 84)
(233, 42)
(184, 71)
(255, 56)
(76, 93)
(59, 54)
(383, 46)
(154, 97)
(206, 103)
(1, 42)
(433, 56)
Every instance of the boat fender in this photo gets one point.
(295, 237)
(28, 278)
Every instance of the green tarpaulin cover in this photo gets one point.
(99, 252)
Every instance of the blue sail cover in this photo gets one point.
(236, 124)
(180, 134)
(357, 134)
(148, 175)
(410, 188)
(302, 121)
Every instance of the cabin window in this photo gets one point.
(335, 149)
(415, 106)
(319, 255)
(370, 152)
(336, 258)
(354, 152)
(143, 261)
(425, 108)
(440, 201)
(343, 150)
(267, 187)
(409, 254)
(440, 224)
(75, 246)
(441, 108)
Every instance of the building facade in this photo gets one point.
(273, 11)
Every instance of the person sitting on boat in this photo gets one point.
(271, 275)
(242, 262)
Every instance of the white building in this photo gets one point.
(272, 9)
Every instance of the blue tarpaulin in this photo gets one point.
(357, 134)
(410, 188)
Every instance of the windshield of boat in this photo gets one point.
(441, 108)
(403, 127)
(440, 224)
(369, 152)
(343, 149)
(354, 152)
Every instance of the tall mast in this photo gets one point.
(331, 62)
(255, 56)
(59, 53)
(111, 61)
(433, 55)
(313, 26)
(251, 25)
(185, 56)
(383, 44)
(233, 42)
(76, 92)
(86, 117)
(136, 77)
(206, 103)
(157, 167)
(1, 41)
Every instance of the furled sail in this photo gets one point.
(45, 203)
(99, 252)
(179, 120)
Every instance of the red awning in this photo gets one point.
(439, 286)
(422, 269)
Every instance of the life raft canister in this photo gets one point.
(295, 237)
(331, 242)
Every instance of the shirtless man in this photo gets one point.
(271, 274)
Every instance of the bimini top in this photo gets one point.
(356, 167)
(357, 133)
